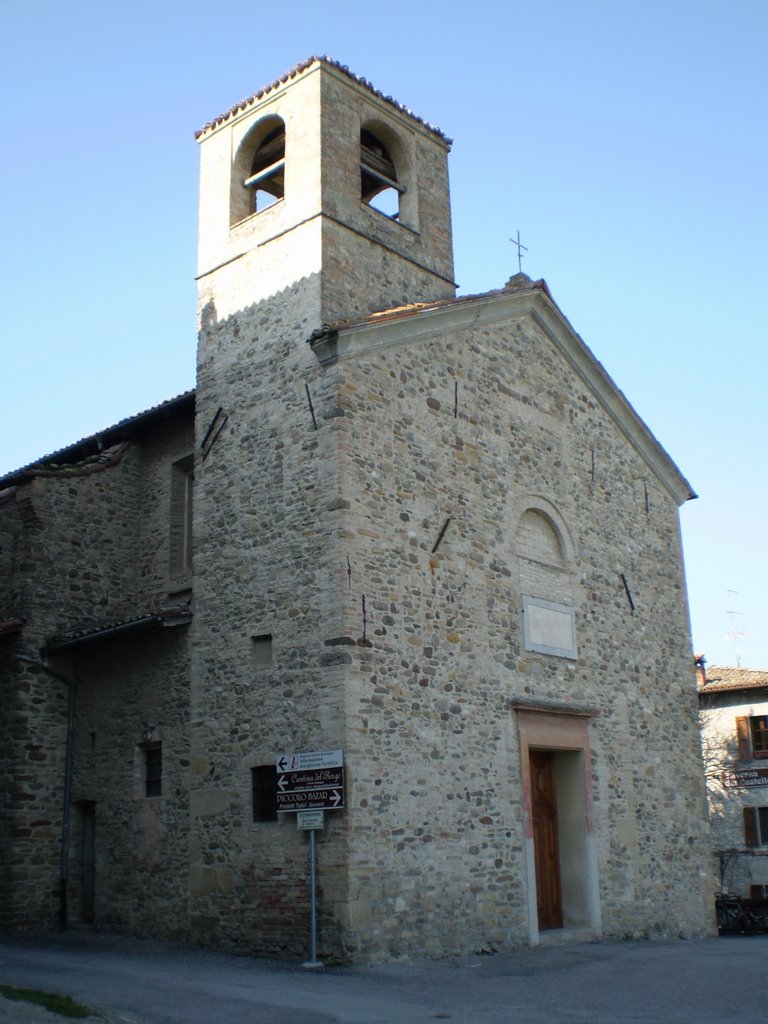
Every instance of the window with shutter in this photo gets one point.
(762, 824)
(742, 739)
(759, 735)
(182, 482)
(750, 826)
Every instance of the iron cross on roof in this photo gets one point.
(520, 247)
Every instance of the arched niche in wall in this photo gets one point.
(546, 578)
(386, 178)
(258, 170)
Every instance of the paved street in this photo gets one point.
(132, 981)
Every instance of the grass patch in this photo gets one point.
(56, 1004)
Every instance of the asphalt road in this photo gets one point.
(129, 981)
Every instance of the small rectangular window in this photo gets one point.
(264, 781)
(261, 651)
(153, 769)
(182, 483)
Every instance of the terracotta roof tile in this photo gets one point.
(299, 69)
(726, 678)
(517, 283)
(90, 452)
(174, 616)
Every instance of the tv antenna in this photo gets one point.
(734, 634)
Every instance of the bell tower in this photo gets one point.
(320, 200)
(320, 184)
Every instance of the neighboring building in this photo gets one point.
(428, 531)
(734, 730)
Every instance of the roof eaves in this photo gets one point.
(726, 678)
(95, 444)
(178, 615)
(299, 69)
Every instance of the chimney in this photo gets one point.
(700, 663)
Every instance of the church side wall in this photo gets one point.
(74, 549)
(132, 694)
(86, 555)
(10, 529)
(445, 445)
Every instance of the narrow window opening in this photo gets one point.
(153, 769)
(264, 783)
(266, 181)
(762, 822)
(379, 187)
(182, 487)
(261, 651)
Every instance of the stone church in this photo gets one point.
(424, 530)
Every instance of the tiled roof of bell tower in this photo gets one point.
(299, 69)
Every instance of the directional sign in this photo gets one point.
(308, 760)
(310, 781)
(310, 800)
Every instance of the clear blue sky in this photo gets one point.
(626, 141)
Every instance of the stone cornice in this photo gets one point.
(544, 707)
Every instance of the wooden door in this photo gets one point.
(546, 853)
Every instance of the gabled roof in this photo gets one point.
(243, 105)
(100, 450)
(721, 678)
(520, 297)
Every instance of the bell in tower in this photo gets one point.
(320, 183)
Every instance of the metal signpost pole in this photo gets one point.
(313, 961)
(309, 784)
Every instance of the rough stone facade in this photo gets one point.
(427, 531)
(90, 548)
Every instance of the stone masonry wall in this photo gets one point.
(92, 551)
(261, 569)
(60, 576)
(141, 872)
(434, 821)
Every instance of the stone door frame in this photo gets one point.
(564, 732)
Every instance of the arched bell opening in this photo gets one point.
(380, 187)
(258, 174)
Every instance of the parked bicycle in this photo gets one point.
(735, 916)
